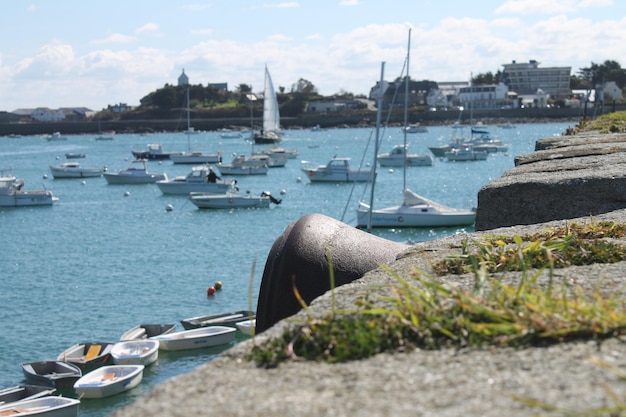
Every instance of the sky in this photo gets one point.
(70, 53)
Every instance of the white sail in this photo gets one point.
(271, 117)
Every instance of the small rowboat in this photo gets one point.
(247, 327)
(222, 319)
(50, 406)
(145, 331)
(109, 380)
(88, 356)
(24, 392)
(58, 374)
(135, 352)
(197, 338)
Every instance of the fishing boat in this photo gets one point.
(74, 170)
(87, 356)
(415, 210)
(136, 173)
(242, 165)
(278, 153)
(109, 380)
(198, 180)
(24, 392)
(72, 155)
(58, 374)
(135, 352)
(12, 194)
(144, 331)
(50, 406)
(336, 170)
(197, 338)
(155, 151)
(271, 116)
(232, 200)
(221, 319)
(399, 157)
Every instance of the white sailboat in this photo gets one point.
(270, 132)
(415, 210)
(193, 157)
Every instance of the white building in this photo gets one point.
(487, 97)
(44, 114)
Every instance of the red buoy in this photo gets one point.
(210, 291)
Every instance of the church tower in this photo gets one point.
(183, 79)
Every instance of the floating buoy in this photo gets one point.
(298, 179)
(169, 207)
(84, 182)
(126, 194)
(218, 285)
(283, 192)
(391, 170)
(210, 291)
(45, 176)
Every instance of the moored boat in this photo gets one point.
(145, 331)
(88, 355)
(155, 151)
(136, 173)
(50, 406)
(247, 327)
(399, 156)
(232, 200)
(195, 181)
(221, 319)
(337, 170)
(74, 170)
(135, 352)
(197, 338)
(58, 374)
(24, 392)
(12, 195)
(109, 380)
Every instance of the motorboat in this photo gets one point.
(278, 153)
(195, 158)
(271, 116)
(242, 165)
(73, 155)
(221, 319)
(144, 331)
(12, 194)
(88, 355)
(399, 156)
(155, 151)
(58, 374)
(24, 392)
(136, 173)
(50, 406)
(197, 338)
(232, 200)
(230, 134)
(74, 170)
(415, 211)
(56, 136)
(337, 170)
(109, 380)
(415, 128)
(196, 181)
(270, 161)
(465, 153)
(135, 352)
(246, 327)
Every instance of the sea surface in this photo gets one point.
(105, 257)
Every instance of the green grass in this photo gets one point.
(607, 123)
(423, 311)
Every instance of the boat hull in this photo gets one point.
(24, 392)
(185, 188)
(109, 380)
(247, 327)
(222, 319)
(58, 374)
(145, 331)
(135, 352)
(129, 177)
(195, 158)
(215, 201)
(197, 338)
(81, 355)
(43, 407)
(63, 172)
(414, 216)
(27, 199)
(323, 176)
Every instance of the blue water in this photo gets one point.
(99, 262)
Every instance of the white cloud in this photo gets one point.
(147, 28)
(116, 38)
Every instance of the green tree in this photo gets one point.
(599, 73)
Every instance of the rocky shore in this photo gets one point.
(570, 179)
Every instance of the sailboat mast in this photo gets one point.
(406, 109)
(376, 143)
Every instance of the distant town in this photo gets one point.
(525, 85)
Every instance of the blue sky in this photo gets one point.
(75, 53)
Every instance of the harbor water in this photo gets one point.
(105, 257)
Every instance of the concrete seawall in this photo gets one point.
(567, 179)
